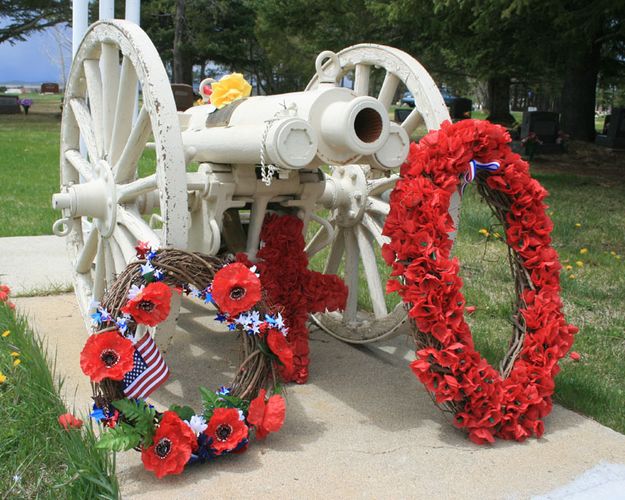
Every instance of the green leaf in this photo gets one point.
(122, 437)
(140, 415)
(209, 397)
(184, 412)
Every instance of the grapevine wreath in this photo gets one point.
(125, 365)
(487, 403)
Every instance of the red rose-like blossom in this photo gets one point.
(280, 347)
(69, 421)
(107, 355)
(575, 356)
(5, 291)
(151, 306)
(173, 443)
(266, 416)
(226, 430)
(236, 289)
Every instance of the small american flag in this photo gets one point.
(149, 371)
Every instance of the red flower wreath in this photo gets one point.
(173, 443)
(236, 289)
(485, 402)
(150, 306)
(107, 355)
(226, 430)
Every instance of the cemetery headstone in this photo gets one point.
(546, 127)
(49, 88)
(9, 105)
(614, 130)
(183, 95)
(460, 108)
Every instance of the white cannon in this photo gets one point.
(205, 180)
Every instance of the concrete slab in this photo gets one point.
(363, 427)
(18, 256)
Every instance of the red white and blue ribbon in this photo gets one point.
(474, 166)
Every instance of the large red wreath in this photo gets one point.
(485, 402)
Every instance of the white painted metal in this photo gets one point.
(104, 195)
(357, 195)
(133, 11)
(106, 9)
(80, 21)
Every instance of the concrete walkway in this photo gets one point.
(363, 427)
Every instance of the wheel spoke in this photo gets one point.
(130, 191)
(125, 167)
(336, 253)
(94, 92)
(99, 276)
(82, 166)
(372, 273)
(124, 241)
(375, 229)
(352, 259)
(389, 87)
(109, 66)
(83, 118)
(87, 253)
(378, 186)
(118, 257)
(136, 226)
(378, 206)
(124, 109)
(413, 120)
(361, 79)
(317, 242)
(109, 263)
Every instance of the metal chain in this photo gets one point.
(267, 171)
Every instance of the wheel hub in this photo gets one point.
(346, 195)
(95, 198)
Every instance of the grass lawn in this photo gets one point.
(586, 189)
(38, 458)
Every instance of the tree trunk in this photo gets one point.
(498, 102)
(579, 92)
(179, 42)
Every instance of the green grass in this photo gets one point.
(29, 168)
(39, 459)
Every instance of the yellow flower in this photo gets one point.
(16, 361)
(496, 235)
(613, 253)
(578, 225)
(617, 257)
(6, 333)
(583, 251)
(3, 378)
(484, 231)
(229, 88)
(572, 276)
(15, 354)
(568, 267)
(579, 263)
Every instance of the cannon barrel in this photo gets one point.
(297, 130)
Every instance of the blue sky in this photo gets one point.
(27, 61)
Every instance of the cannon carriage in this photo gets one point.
(204, 179)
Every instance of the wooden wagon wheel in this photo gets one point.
(357, 224)
(106, 198)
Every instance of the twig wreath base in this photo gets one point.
(511, 403)
(169, 441)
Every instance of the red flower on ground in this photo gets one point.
(173, 443)
(5, 291)
(226, 430)
(280, 347)
(69, 421)
(266, 416)
(151, 306)
(236, 289)
(107, 355)
(575, 356)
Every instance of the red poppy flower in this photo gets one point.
(266, 416)
(226, 429)
(107, 355)
(173, 443)
(69, 421)
(151, 306)
(575, 356)
(280, 347)
(5, 291)
(236, 289)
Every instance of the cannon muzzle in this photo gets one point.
(328, 125)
